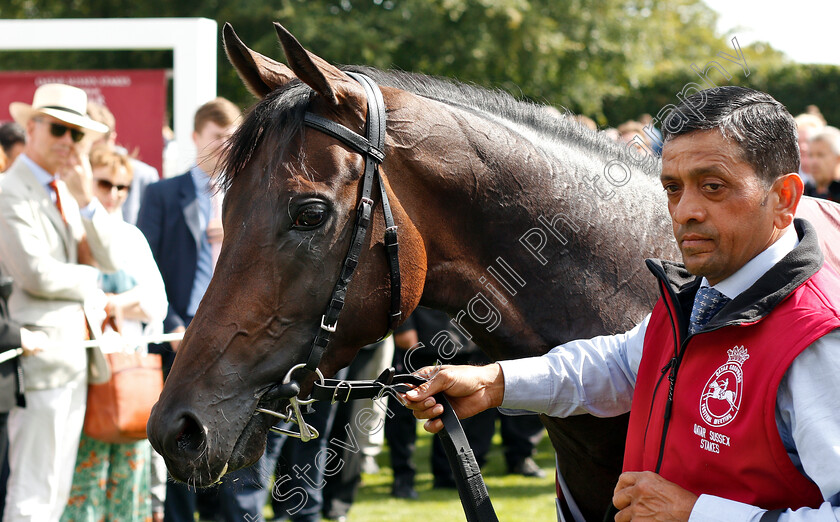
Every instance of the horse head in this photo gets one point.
(289, 213)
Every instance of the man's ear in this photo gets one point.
(788, 190)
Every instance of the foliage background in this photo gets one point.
(609, 59)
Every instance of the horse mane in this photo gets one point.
(560, 128)
(282, 111)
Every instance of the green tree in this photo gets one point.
(590, 56)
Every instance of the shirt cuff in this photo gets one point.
(89, 210)
(709, 508)
(528, 382)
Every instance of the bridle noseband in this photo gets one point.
(372, 148)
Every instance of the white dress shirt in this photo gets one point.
(598, 376)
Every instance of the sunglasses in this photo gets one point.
(58, 130)
(106, 186)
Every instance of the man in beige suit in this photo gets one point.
(50, 223)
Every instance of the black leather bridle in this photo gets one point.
(372, 148)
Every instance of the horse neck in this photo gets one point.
(517, 227)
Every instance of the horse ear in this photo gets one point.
(260, 74)
(313, 70)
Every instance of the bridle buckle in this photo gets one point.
(327, 327)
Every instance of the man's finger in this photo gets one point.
(626, 479)
(622, 496)
(622, 499)
(433, 425)
(435, 384)
(428, 409)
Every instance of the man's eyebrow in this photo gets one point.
(706, 169)
(695, 172)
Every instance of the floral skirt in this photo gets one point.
(110, 483)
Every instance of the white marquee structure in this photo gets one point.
(193, 42)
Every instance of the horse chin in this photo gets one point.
(250, 445)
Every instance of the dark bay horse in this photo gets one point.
(528, 229)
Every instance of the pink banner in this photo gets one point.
(136, 97)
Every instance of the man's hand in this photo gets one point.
(114, 313)
(470, 390)
(33, 342)
(647, 496)
(77, 174)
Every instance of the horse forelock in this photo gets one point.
(276, 119)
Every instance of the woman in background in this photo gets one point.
(111, 481)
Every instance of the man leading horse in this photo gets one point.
(753, 302)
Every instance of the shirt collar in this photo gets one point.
(756, 267)
(43, 177)
(200, 178)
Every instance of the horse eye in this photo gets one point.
(310, 216)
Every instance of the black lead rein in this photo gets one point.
(471, 487)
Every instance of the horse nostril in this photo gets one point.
(191, 439)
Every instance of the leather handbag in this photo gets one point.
(118, 410)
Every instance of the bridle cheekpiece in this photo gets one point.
(372, 148)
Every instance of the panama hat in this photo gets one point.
(62, 102)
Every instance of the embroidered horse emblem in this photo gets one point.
(721, 398)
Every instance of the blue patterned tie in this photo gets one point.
(707, 303)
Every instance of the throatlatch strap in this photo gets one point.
(376, 133)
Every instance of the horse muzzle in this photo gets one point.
(181, 438)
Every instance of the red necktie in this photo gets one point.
(54, 185)
(84, 255)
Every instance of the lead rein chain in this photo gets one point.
(472, 490)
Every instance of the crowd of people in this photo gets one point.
(91, 236)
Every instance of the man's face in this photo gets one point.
(823, 162)
(209, 142)
(45, 149)
(803, 135)
(717, 204)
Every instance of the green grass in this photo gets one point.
(515, 498)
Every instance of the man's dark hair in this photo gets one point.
(761, 126)
(11, 133)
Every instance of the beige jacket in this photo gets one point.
(40, 252)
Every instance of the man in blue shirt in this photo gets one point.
(730, 178)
